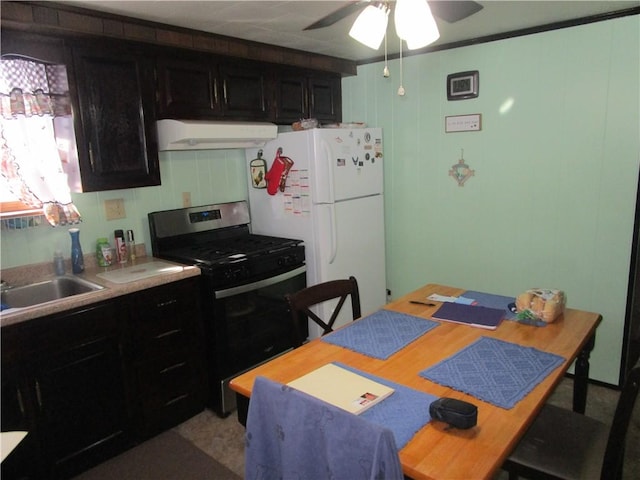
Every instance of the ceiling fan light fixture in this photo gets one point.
(415, 24)
(371, 25)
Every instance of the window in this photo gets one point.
(39, 155)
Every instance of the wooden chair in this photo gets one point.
(301, 302)
(562, 444)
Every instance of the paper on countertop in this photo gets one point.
(9, 441)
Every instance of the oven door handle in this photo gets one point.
(230, 292)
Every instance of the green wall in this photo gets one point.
(553, 197)
(210, 176)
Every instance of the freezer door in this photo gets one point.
(351, 242)
(348, 164)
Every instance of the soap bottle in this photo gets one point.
(77, 259)
(58, 263)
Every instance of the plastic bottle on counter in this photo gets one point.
(103, 252)
(121, 246)
(77, 259)
(58, 263)
(131, 245)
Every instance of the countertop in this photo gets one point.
(111, 290)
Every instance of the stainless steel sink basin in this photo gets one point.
(42, 292)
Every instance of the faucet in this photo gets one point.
(4, 286)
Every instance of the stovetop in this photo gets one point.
(217, 239)
(231, 250)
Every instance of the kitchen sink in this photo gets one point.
(42, 292)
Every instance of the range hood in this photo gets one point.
(206, 135)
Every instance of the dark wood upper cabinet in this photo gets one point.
(116, 93)
(307, 95)
(244, 92)
(325, 98)
(187, 88)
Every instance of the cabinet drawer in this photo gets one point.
(153, 336)
(169, 374)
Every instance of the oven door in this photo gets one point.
(251, 323)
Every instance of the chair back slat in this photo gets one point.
(300, 304)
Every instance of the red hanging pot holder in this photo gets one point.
(277, 175)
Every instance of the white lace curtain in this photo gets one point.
(36, 121)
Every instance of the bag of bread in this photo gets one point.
(541, 303)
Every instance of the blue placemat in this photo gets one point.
(380, 334)
(404, 412)
(495, 371)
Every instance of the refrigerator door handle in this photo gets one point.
(334, 233)
(324, 184)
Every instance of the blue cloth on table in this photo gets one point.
(404, 412)
(292, 435)
(495, 371)
(380, 334)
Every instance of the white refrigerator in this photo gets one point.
(333, 201)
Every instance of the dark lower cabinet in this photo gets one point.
(167, 356)
(66, 381)
(90, 383)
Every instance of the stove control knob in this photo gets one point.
(286, 260)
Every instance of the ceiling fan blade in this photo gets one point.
(338, 15)
(453, 11)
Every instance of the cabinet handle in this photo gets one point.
(38, 394)
(173, 367)
(91, 161)
(167, 303)
(175, 400)
(170, 332)
(224, 92)
(215, 93)
(20, 401)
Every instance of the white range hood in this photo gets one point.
(207, 135)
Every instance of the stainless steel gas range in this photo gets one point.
(243, 283)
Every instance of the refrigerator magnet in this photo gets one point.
(258, 168)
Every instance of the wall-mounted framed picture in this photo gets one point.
(463, 85)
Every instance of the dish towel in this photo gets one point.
(498, 372)
(380, 334)
(293, 435)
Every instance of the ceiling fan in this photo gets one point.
(449, 11)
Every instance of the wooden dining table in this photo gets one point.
(436, 451)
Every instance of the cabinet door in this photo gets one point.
(116, 94)
(18, 415)
(291, 98)
(325, 99)
(79, 390)
(187, 89)
(244, 92)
